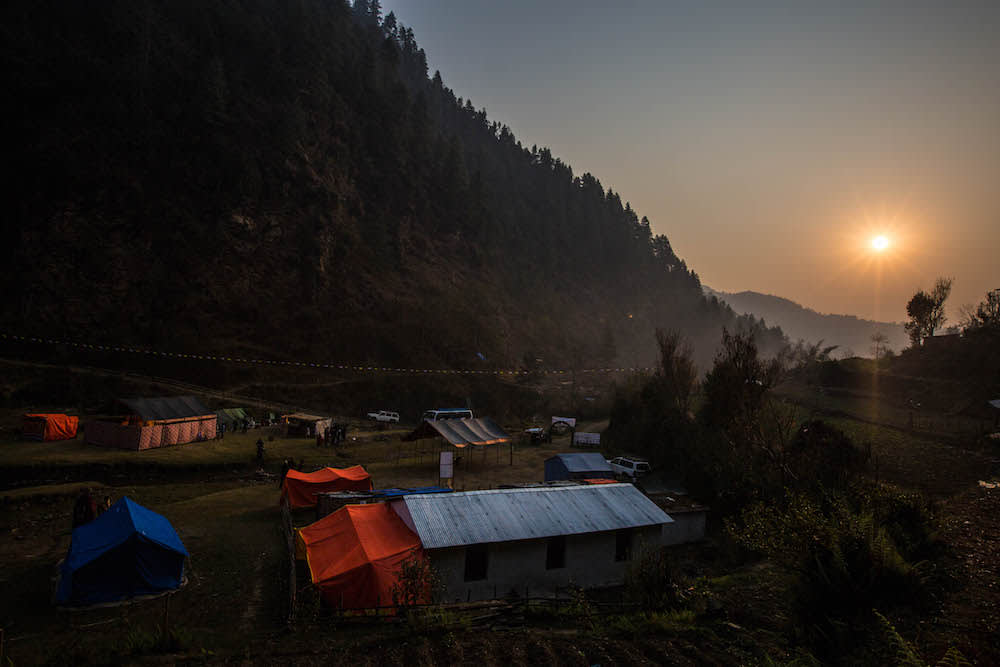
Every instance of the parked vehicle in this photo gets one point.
(626, 466)
(384, 416)
(535, 435)
(447, 413)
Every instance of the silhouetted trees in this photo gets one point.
(265, 162)
(926, 311)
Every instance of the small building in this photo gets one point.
(690, 518)
(532, 541)
(49, 427)
(577, 465)
(154, 422)
(305, 425)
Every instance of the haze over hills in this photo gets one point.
(852, 335)
(288, 181)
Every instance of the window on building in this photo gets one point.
(555, 553)
(477, 562)
(623, 544)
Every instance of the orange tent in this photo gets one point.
(301, 487)
(356, 553)
(50, 427)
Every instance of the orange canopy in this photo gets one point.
(356, 553)
(50, 427)
(599, 480)
(301, 487)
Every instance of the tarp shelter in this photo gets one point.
(355, 555)
(127, 552)
(231, 417)
(154, 422)
(577, 465)
(302, 424)
(49, 427)
(300, 488)
(477, 432)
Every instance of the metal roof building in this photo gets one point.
(504, 515)
(541, 540)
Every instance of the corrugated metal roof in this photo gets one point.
(503, 515)
(167, 407)
(584, 461)
(461, 432)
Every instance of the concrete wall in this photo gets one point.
(688, 526)
(520, 566)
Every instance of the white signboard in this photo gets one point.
(447, 465)
(569, 420)
(587, 439)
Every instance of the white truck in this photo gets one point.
(384, 416)
(627, 466)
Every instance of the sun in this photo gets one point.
(879, 243)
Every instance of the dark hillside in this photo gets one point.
(284, 179)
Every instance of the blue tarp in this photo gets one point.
(398, 493)
(577, 465)
(126, 552)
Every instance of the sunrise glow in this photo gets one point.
(880, 243)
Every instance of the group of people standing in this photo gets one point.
(221, 427)
(332, 436)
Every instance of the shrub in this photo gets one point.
(649, 581)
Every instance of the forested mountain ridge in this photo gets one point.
(851, 335)
(285, 179)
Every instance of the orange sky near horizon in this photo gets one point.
(769, 143)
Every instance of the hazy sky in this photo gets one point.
(769, 144)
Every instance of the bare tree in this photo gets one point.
(879, 345)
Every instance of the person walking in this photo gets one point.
(260, 451)
(285, 466)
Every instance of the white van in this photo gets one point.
(447, 413)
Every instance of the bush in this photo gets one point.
(844, 559)
(649, 581)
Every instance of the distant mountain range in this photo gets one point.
(851, 334)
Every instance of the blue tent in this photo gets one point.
(126, 552)
(577, 465)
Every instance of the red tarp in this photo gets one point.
(301, 487)
(599, 480)
(50, 427)
(355, 555)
